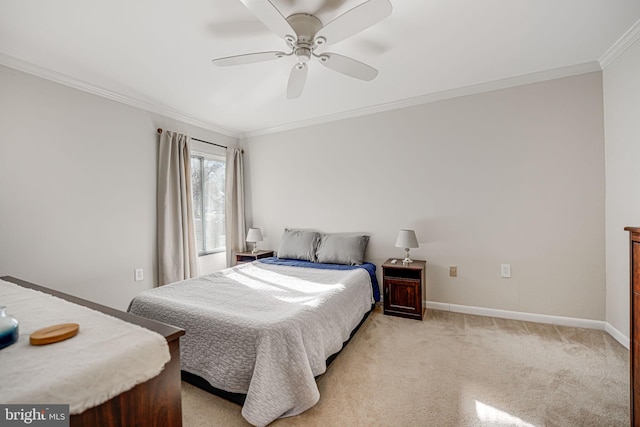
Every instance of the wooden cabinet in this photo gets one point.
(634, 356)
(156, 402)
(403, 288)
(242, 257)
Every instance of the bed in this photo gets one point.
(265, 329)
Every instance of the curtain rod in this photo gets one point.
(206, 142)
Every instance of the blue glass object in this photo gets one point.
(8, 329)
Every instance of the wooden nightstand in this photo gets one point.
(242, 257)
(403, 288)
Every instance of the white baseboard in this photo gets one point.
(532, 317)
(618, 336)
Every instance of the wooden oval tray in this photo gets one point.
(54, 333)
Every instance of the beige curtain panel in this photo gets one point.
(177, 253)
(234, 204)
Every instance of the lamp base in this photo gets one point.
(406, 259)
(255, 249)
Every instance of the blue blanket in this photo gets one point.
(371, 269)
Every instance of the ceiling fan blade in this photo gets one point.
(297, 78)
(348, 66)
(265, 11)
(248, 58)
(355, 20)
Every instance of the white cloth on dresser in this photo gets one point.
(107, 357)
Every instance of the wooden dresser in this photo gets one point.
(156, 402)
(634, 356)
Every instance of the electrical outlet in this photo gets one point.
(453, 271)
(138, 275)
(505, 270)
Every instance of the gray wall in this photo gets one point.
(622, 136)
(511, 176)
(78, 188)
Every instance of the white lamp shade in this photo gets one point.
(254, 235)
(407, 239)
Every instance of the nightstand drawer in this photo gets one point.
(402, 295)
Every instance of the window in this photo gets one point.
(207, 186)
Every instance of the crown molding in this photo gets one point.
(63, 79)
(29, 68)
(622, 44)
(521, 80)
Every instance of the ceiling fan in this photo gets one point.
(304, 33)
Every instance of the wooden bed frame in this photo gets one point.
(156, 402)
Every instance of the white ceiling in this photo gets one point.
(156, 53)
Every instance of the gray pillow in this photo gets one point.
(342, 249)
(298, 244)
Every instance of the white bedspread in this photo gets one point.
(107, 357)
(263, 330)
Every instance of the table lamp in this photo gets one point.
(254, 236)
(407, 239)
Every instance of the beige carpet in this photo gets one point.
(457, 370)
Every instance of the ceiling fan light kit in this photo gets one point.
(304, 33)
